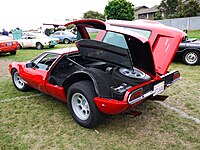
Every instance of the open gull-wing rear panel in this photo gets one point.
(138, 52)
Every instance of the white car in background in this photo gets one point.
(38, 40)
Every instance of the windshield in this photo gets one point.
(115, 39)
(145, 33)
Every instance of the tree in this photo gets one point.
(179, 8)
(158, 16)
(191, 8)
(119, 9)
(168, 7)
(93, 15)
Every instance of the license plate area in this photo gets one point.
(9, 44)
(158, 88)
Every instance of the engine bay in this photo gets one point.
(111, 79)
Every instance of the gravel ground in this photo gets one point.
(4, 66)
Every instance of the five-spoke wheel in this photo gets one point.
(81, 104)
(18, 81)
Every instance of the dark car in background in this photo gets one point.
(189, 51)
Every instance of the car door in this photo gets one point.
(28, 41)
(55, 88)
(57, 35)
(35, 73)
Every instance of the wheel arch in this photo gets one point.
(190, 49)
(38, 43)
(13, 69)
(66, 38)
(15, 66)
(80, 76)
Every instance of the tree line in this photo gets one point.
(124, 10)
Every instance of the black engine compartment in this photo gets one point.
(106, 76)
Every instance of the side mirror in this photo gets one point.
(30, 65)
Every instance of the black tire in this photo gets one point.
(13, 53)
(83, 93)
(51, 46)
(18, 82)
(39, 46)
(66, 41)
(191, 57)
(116, 73)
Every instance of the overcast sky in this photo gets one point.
(31, 13)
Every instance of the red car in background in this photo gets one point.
(109, 75)
(8, 45)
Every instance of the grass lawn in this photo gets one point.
(42, 122)
(194, 34)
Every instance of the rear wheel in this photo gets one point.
(191, 57)
(82, 106)
(66, 41)
(13, 53)
(18, 82)
(39, 46)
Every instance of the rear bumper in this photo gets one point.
(112, 106)
(9, 48)
(50, 43)
(53, 43)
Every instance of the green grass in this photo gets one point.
(93, 35)
(194, 34)
(28, 54)
(42, 122)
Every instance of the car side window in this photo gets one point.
(57, 33)
(144, 32)
(116, 39)
(46, 62)
(92, 32)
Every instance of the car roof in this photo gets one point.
(4, 37)
(140, 23)
(144, 24)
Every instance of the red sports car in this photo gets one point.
(109, 75)
(8, 45)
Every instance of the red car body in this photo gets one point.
(8, 45)
(124, 95)
(161, 39)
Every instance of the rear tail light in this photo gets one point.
(176, 76)
(135, 96)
